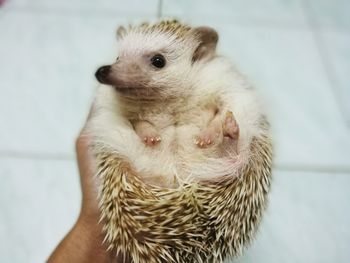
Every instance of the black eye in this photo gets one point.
(158, 61)
(117, 59)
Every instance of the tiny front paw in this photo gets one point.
(151, 140)
(206, 138)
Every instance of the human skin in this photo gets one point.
(84, 242)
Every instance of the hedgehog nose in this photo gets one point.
(102, 74)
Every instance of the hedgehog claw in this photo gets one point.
(205, 139)
(151, 140)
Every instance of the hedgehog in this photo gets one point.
(183, 148)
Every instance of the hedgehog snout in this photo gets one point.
(102, 74)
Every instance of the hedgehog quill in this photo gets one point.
(183, 148)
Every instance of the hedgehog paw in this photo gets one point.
(207, 137)
(147, 133)
(230, 126)
(151, 140)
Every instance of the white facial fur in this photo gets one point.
(134, 64)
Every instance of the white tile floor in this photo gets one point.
(296, 52)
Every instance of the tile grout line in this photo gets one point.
(325, 59)
(36, 156)
(160, 9)
(159, 14)
(62, 11)
(312, 168)
(67, 157)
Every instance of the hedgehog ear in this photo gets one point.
(121, 32)
(208, 39)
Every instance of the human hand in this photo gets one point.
(88, 180)
(84, 243)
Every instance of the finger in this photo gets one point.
(87, 120)
(83, 141)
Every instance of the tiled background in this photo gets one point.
(297, 52)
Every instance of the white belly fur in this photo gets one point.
(176, 159)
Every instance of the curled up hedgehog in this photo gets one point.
(183, 148)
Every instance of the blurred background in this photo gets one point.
(297, 54)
